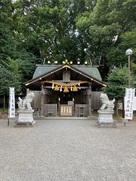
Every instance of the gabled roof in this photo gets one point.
(89, 70)
(53, 72)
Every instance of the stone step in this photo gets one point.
(70, 118)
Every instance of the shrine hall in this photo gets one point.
(65, 90)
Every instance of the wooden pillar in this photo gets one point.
(89, 91)
(42, 100)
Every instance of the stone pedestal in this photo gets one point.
(25, 117)
(105, 117)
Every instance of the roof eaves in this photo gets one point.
(88, 76)
(41, 76)
(61, 67)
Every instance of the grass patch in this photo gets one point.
(3, 111)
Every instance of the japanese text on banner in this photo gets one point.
(11, 112)
(129, 100)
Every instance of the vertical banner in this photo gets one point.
(11, 112)
(129, 101)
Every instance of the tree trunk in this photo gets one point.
(116, 108)
(4, 103)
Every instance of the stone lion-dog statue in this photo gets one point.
(26, 102)
(106, 103)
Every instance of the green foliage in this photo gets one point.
(133, 68)
(6, 8)
(111, 26)
(37, 31)
(58, 30)
(48, 28)
(117, 82)
(10, 76)
(7, 42)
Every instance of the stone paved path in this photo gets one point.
(67, 150)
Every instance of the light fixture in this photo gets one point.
(66, 61)
(71, 62)
(27, 84)
(129, 52)
(56, 62)
(49, 62)
(104, 85)
(78, 61)
(86, 62)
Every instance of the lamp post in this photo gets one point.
(129, 52)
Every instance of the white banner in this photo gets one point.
(11, 112)
(134, 104)
(128, 103)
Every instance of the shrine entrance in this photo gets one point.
(65, 90)
(56, 103)
(65, 98)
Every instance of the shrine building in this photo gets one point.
(65, 90)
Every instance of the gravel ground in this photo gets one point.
(67, 150)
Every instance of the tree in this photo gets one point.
(37, 31)
(6, 8)
(16, 64)
(7, 43)
(107, 26)
(85, 30)
(117, 82)
(48, 28)
(9, 77)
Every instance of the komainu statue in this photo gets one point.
(106, 103)
(26, 102)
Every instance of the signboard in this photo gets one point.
(129, 102)
(11, 112)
